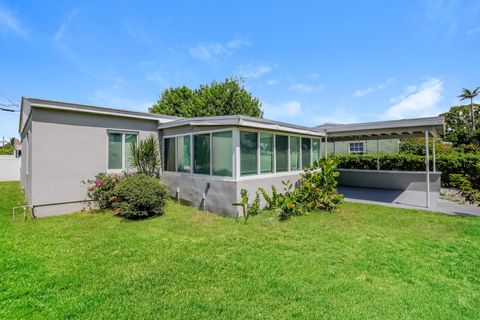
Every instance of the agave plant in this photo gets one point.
(145, 156)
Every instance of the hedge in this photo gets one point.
(460, 163)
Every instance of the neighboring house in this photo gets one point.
(360, 146)
(206, 161)
(10, 164)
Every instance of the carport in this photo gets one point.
(409, 188)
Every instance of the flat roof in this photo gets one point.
(76, 107)
(242, 121)
(384, 129)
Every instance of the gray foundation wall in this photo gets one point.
(390, 180)
(67, 148)
(220, 193)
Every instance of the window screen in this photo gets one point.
(130, 138)
(281, 149)
(201, 153)
(222, 153)
(356, 147)
(183, 154)
(169, 154)
(114, 150)
(316, 149)
(294, 153)
(306, 145)
(266, 152)
(248, 153)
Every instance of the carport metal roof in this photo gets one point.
(394, 129)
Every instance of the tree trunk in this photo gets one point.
(472, 114)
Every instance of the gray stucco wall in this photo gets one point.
(67, 148)
(220, 193)
(408, 183)
(26, 163)
(385, 146)
(266, 182)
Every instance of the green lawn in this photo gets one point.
(362, 262)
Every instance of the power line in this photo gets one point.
(9, 110)
(9, 100)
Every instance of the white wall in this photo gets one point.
(9, 168)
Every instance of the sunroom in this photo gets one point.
(207, 161)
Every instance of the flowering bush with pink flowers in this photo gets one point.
(101, 189)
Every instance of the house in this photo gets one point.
(206, 161)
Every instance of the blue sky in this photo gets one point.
(308, 62)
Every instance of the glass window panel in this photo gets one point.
(129, 139)
(281, 149)
(356, 147)
(183, 154)
(266, 152)
(294, 153)
(114, 150)
(201, 153)
(306, 145)
(222, 153)
(248, 153)
(316, 149)
(169, 154)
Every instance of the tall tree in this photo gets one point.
(470, 94)
(228, 97)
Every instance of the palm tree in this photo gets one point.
(469, 94)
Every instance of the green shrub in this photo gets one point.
(470, 194)
(252, 209)
(318, 190)
(101, 189)
(291, 204)
(452, 163)
(273, 201)
(140, 196)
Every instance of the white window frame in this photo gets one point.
(236, 156)
(356, 142)
(123, 133)
(191, 135)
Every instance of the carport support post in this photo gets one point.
(427, 168)
(378, 157)
(433, 154)
(326, 146)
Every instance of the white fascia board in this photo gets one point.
(48, 106)
(277, 127)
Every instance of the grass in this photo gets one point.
(363, 261)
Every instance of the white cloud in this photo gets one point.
(9, 22)
(138, 34)
(417, 102)
(364, 92)
(474, 30)
(209, 52)
(272, 82)
(254, 71)
(282, 111)
(294, 112)
(114, 98)
(157, 78)
(314, 75)
(59, 33)
(302, 87)
(339, 115)
(237, 44)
